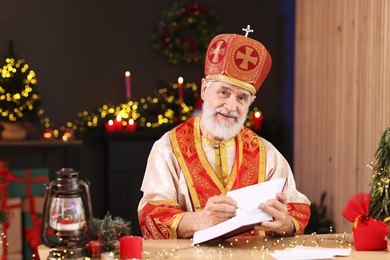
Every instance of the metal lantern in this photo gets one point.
(67, 216)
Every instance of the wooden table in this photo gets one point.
(245, 248)
(251, 248)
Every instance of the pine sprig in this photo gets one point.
(108, 230)
(380, 199)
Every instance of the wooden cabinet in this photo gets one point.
(52, 154)
(127, 157)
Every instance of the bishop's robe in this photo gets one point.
(184, 169)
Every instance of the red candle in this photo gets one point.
(131, 126)
(180, 88)
(128, 84)
(109, 126)
(258, 121)
(130, 247)
(118, 124)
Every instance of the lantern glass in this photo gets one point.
(67, 214)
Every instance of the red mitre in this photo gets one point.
(238, 60)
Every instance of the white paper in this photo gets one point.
(250, 197)
(306, 252)
(248, 214)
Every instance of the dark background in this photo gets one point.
(81, 49)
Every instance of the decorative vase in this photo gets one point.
(13, 131)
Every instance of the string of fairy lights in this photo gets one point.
(18, 96)
(171, 104)
(255, 247)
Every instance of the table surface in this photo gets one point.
(251, 248)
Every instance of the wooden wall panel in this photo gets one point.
(342, 97)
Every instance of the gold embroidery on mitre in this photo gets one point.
(233, 81)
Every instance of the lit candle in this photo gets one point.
(48, 134)
(258, 121)
(180, 87)
(118, 124)
(131, 126)
(67, 134)
(109, 126)
(130, 247)
(128, 85)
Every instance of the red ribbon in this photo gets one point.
(33, 234)
(10, 177)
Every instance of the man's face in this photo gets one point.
(225, 109)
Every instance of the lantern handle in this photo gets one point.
(84, 185)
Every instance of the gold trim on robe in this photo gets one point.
(159, 219)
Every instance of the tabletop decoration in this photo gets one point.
(130, 247)
(370, 212)
(106, 235)
(184, 32)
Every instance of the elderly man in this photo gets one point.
(192, 167)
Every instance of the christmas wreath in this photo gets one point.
(184, 32)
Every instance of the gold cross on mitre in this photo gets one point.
(247, 30)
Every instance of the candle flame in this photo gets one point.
(127, 73)
(257, 114)
(131, 121)
(180, 80)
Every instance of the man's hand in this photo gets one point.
(217, 210)
(277, 208)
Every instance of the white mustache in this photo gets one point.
(224, 112)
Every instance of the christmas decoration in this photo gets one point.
(184, 32)
(19, 96)
(109, 230)
(370, 212)
(380, 197)
(171, 104)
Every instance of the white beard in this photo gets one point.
(221, 130)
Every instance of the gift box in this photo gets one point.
(13, 227)
(27, 182)
(32, 208)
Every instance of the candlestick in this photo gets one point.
(258, 121)
(180, 87)
(107, 256)
(130, 247)
(128, 85)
